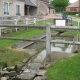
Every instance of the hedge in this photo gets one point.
(72, 13)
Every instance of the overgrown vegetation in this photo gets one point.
(12, 57)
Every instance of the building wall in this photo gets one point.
(42, 8)
(12, 7)
(33, 11)
(52, 11)
(1, 8)
(72, 9)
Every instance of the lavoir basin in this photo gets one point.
(55, 47)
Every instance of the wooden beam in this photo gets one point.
(48, 44)
(22, 39)
(41, 40)
(65, 42)
(36, 26)
(65, 28)
(23, 26)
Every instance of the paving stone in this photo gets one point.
(26, 76)
(12, 73)
(40, 78)
(26, 70)
(3, 78)
(41, 72)
(25, 60)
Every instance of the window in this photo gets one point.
(73, 9)
(6, 11)
(17, 9)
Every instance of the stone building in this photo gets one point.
(11, 8)
(74, 7)
(44, 7)
(25, 7)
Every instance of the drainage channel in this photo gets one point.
(35, 64)
(32, 70)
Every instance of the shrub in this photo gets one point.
(72, 13)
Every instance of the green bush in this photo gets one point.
(72, 13)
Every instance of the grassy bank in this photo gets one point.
(74, 33)
(75, 16)
(65, 69)
(44, 22)
(74, 23)
(12, 57)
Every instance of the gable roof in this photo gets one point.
(30, 3)
(75, 4)
(47, 3)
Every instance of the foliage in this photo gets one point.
(60, 5)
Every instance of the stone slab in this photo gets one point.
(26, 76)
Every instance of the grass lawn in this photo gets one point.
(75, 16)
(44, 22)
(74, 23)
(67, 68)
(39, 22)
(13, 57)
(73, 32)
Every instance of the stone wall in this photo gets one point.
(75, 47)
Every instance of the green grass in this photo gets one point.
(26, 33)
(44, 22)
(72, 32)
(41, 22)
(13, 57)
(65, 69)
(74, 23)
(75, 16)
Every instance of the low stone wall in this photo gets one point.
(75, 47)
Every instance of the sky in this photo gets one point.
(72, 1)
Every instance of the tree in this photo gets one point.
(60, 5)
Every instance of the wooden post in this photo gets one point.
(26, 21)
(44, 21)
(0, 31)
(16, 24)
(35, 21)
(48, 44)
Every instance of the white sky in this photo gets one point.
(72, 1)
